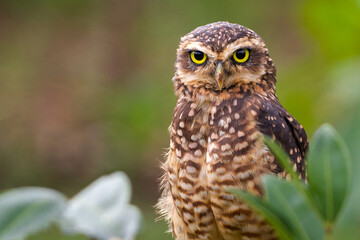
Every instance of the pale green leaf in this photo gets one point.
(329, 172)
(268, 212)
(24, 211)
(102, 210)
(291, 205)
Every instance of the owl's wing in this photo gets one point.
(276, 122)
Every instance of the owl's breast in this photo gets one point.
(235, 151)
(214, 147)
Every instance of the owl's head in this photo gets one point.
(220, 56)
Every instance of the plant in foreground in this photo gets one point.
(100, 211)
(319, 209)
(313, 210)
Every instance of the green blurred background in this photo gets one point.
(85, 85)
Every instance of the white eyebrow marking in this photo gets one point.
(200, 47)
(240, 43)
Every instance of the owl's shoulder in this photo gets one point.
(274, 121)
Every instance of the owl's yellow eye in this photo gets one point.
(197, 57)
(241, 55)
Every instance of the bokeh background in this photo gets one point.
(85, 85)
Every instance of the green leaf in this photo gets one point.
(267, 211)
(102, 210)
(292, 206)
(286, 209)
(24, 211)
(348, 221)
(329, 173)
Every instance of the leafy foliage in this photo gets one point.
(27, 210)
(309, 211)
(101, 210)
(328, 172)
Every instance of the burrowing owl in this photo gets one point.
(225, 84)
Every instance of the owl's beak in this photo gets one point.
(219, 74)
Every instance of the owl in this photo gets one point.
(226, 101)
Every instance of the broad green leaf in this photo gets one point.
(287, 209)
(102, 210)
(348, 221)
(347, 225)
(24, 211)
(329, 172)
(268, 212)
(291, 205)
(281, 156)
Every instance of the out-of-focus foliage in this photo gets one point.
(310, 211)
(100, 211)
(86, 85)
(336, 25)
(329, 172)
(24, 211)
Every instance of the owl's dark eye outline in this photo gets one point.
(198, 57)
(241, 55)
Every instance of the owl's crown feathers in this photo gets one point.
(220, 57)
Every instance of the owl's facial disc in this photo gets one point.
(221, 55)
